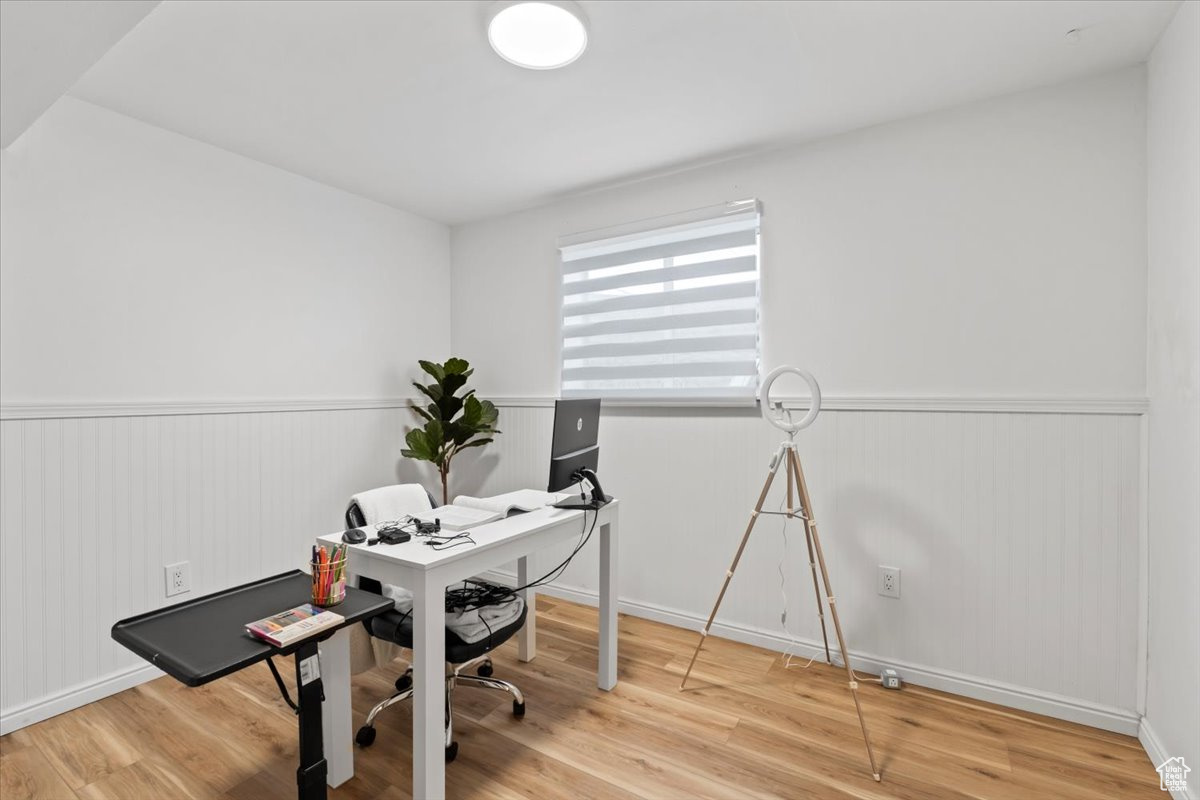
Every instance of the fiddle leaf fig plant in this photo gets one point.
(452, 422)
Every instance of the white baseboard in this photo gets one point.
(1019, 697)
(12, 719)
(1158, 754)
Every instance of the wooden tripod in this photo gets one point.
(786, 454)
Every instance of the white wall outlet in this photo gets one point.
(890, 679)
(179, 578)
(888, 583)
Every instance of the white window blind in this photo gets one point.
(665, 313)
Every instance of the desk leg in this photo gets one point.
(312, 776)
(429, 683)
(335, 675)
(527, 637)
(606, 672)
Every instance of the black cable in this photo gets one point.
(557, 571)
(287, 698)
(446, 542)
(399, 624)
(474, 594)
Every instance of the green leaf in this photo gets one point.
(457, 433)
(453, 383)
(455, 366)
(433, 369)
(488, 414)
(432, 391)
(472, 411)
(420, 411)
(435, 433)
(448, 406)
(476, 443)
(419, 445)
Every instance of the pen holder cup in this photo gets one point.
(328, 582)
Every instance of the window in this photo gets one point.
(669, 312)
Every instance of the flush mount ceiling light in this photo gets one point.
(537, 35)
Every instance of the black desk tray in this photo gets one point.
(200, 640)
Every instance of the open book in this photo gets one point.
(467, 511)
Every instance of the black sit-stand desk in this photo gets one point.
(204, 639)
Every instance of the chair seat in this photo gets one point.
(395, 627)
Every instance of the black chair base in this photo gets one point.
(365, 737)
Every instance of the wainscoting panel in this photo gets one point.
(91, 509)
(1016, 535)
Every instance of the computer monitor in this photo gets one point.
(575, 450)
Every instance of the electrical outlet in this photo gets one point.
(178, 578)
(888, 583)
(890, 679)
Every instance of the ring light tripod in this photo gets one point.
(787, 455)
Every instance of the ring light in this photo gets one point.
(764, 397)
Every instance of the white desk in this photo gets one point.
(427, 573)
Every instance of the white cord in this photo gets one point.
(857, 677)
(787, 655)
(793, 641)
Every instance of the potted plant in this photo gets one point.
(453, 422)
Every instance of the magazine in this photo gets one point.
(293, 625)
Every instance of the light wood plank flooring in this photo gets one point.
(746, 728)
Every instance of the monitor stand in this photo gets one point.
(576, 504)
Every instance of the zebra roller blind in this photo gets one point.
(667, 313)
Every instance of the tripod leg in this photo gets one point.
(736, 558)
(837, 625)
(794, 468)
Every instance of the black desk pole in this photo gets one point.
(201, 640)
(310, 777)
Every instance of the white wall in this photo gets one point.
(146, 270)
(140, 265)
(994, 250)
(1173, 378)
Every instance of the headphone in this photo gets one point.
(427, 528)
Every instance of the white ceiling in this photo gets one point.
(404, 102)
(45, 47)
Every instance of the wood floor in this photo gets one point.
(746, 728)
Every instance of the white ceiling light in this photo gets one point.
(537, 35)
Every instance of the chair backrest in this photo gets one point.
(387, 503)
(382, 504)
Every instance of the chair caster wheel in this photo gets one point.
(365, 736)
(403, 683)
(485, 670)
(451, 752)
(518, 709)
